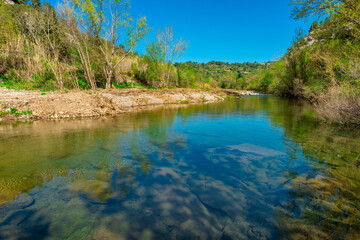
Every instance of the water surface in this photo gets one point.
(255, 168)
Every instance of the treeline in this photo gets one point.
(86, 44)
(82, 44)
(75, 46)
(322, 65)
(222, 74)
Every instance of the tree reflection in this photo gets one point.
(104, 160)
(324, 202)
(34, 154)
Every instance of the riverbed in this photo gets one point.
(253, 168)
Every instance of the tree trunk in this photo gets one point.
(108, 80)
(168, 75)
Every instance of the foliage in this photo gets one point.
(221, 74)
(41, 48)
(322, 66)
(13, 111)
(80, 45)
(127, 85)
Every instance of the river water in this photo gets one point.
(254, 168)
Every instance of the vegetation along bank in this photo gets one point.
(323, 65)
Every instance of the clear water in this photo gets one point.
(255, 168)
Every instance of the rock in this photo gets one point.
(16, 217)
(21, 202)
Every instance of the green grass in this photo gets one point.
(229, 97)
(185, 102)
(12, 81)
(14, 111)
(127, 85)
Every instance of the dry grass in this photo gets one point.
(340, 105)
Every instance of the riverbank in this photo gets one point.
(86, 104)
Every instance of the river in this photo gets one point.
(254, 168)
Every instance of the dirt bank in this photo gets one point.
(81, 104)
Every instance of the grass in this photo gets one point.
(229, 97)
(12, 81)
(127, 85)
(23, 113)
(185, 102)
(14, 111)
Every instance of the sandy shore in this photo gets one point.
(85, 104)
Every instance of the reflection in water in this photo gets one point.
(255, 168)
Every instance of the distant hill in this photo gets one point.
(216, 69)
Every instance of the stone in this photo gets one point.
(21, 202)
(16, 217)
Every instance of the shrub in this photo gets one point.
(341, 105)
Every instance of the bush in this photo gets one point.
(341, 105)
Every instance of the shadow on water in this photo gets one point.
(255, 168)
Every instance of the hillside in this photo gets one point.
(323, 65)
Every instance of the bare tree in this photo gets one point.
(172, 49)
(77, 36)
(40, 31)
(110, 27)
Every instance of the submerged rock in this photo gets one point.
(16, 217)
(22, 201)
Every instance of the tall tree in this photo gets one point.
(8, 27)
(156, 56)
(76, 35)
(111, 26)
(40, 27)
(172, 49)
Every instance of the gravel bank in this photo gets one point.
(85, 104)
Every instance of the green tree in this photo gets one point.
(36, 3)
(314, 26)
(8, 26)
(111, 26)
(172, 49)
(344, 14)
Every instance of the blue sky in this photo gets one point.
(227, 30)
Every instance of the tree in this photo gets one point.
(172, 49)
(315, 25)
(8, 27)
(317, 8)
(154, 51)
(110, 27)
(344, 14)
(19, 1)
(155, 54)
(40, 26)
(76, 35)
(36, 3)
